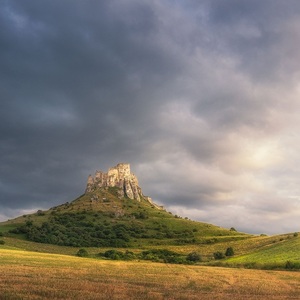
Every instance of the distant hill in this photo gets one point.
(113, 212)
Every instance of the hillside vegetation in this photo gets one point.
(101, 219)
(131, 230)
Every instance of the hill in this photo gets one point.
(114, 212)
(114, 222)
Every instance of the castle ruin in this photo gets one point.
(118, 176)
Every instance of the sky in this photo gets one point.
(200, 97)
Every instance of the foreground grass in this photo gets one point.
(29, 275)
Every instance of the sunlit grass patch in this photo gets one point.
(276, 255)
(29, 275)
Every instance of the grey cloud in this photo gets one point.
(259, 35)
(192, 94)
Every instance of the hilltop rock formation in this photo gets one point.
(120, 177)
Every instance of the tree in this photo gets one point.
(113, 254)
(82, 253)
(193, 257)
(229, 252)
(219, 255)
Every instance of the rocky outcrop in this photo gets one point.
(118, 176)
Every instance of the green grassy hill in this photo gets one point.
(100, 221)
(284, 253)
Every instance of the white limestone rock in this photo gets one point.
(118, 176)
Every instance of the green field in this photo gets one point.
(277, 254)
(259, 252)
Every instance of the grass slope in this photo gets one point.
(102, 219)
(28, 275)
(277, 254)
(157, 229)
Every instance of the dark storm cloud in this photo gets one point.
(80, 82)
(196, 96)
(260, 34)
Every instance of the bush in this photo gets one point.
(193, 257)
(114, 254)
(292, 265)
(161, 255)
(118, 255)
(229, 252)
(2, 242)
(295, 234)
(82, 253)
(232, 229)
(1, 233)
(219, 255)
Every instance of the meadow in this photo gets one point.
(31, 275)
(34, 268)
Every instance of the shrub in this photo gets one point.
(140, 215)
(295, 234)
(2, 242)
(82, 253)
(292, 265)
(29, 223)
(1, 233)
(229, 252)
(114, 254)
(232, 229)
(193, 257)
(219, 255)
(161, 255)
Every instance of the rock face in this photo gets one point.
(118, 176)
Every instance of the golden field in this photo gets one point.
(31, 275)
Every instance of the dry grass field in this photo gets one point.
(31, 275)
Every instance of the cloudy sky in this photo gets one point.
(202, 98)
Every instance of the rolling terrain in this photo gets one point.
(137, 250)
(100, 221)
(31, 275)
(106, 246)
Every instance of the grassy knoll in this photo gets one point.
(275, 255)
(29, 275)
(100, 221)
(110, 221)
